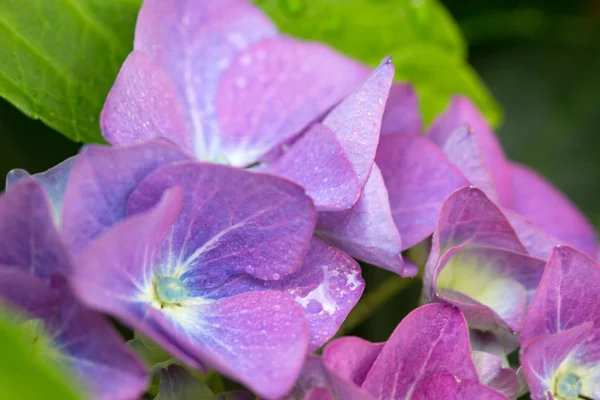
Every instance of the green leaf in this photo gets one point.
(427, 47)
(26, 374)
(60, 58)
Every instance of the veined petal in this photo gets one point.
(194, 43)
(448, 386)
(143, 105)
(367, 230)
(318, 163)
(568, 295)
(356, 121)
(232, 221)
(238, 336)
(432, 339)
(539, 202)
(546, 358)
(537, 242)
(263, 100)
(101, 181)
(418, 177)
(327, 286)
(402, 115)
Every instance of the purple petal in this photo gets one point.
(539, 202)
(84, 339)
(492, 373)
(464, 150)
(327, 286)
(462, 112)
(318, 382)
(419, 177)
(232, 221)
(236, 335)
(469, 216)
(351, 357)
(567, 295)
(317, 162)
(492, 287)
(143, 105)
(29, 240)
(537, 242)
(545, 355)
(101, 181)
(448, 386)
(263, 99)
(356, 121)
(53, 180)
(430, 340)
(402, 115)
(194, 43)
(367, 230)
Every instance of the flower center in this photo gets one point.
(170, 290)
(569, 386)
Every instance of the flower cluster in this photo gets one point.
(246, 173)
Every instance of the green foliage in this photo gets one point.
(427, 46)
(25, 373)
(60, 58)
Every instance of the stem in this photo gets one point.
(371, 302)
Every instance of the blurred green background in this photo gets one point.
(541, 61)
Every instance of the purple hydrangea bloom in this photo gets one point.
(225, 86)
(478, 264)
(515, 187)
(218, 265)
(560, 343)
(467, 149)
(428, 356)
(33, 268)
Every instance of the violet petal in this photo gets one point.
(318, 163)
(100, 184)
(232, 221)
(402, 115)
(351, 357)
(448, 386)
(418, 177)
(462, 111)
(539, 202)
(356, 121)
(327, 286)
(367, 230)
(430, 340)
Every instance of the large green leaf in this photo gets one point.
(25, 374)
(427, 46)
(60, 58)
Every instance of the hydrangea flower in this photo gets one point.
(223, 270)
(478, 264)
(541, 215)
(427, 357)
(33, 268)
(560, 343)
(225, 86)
